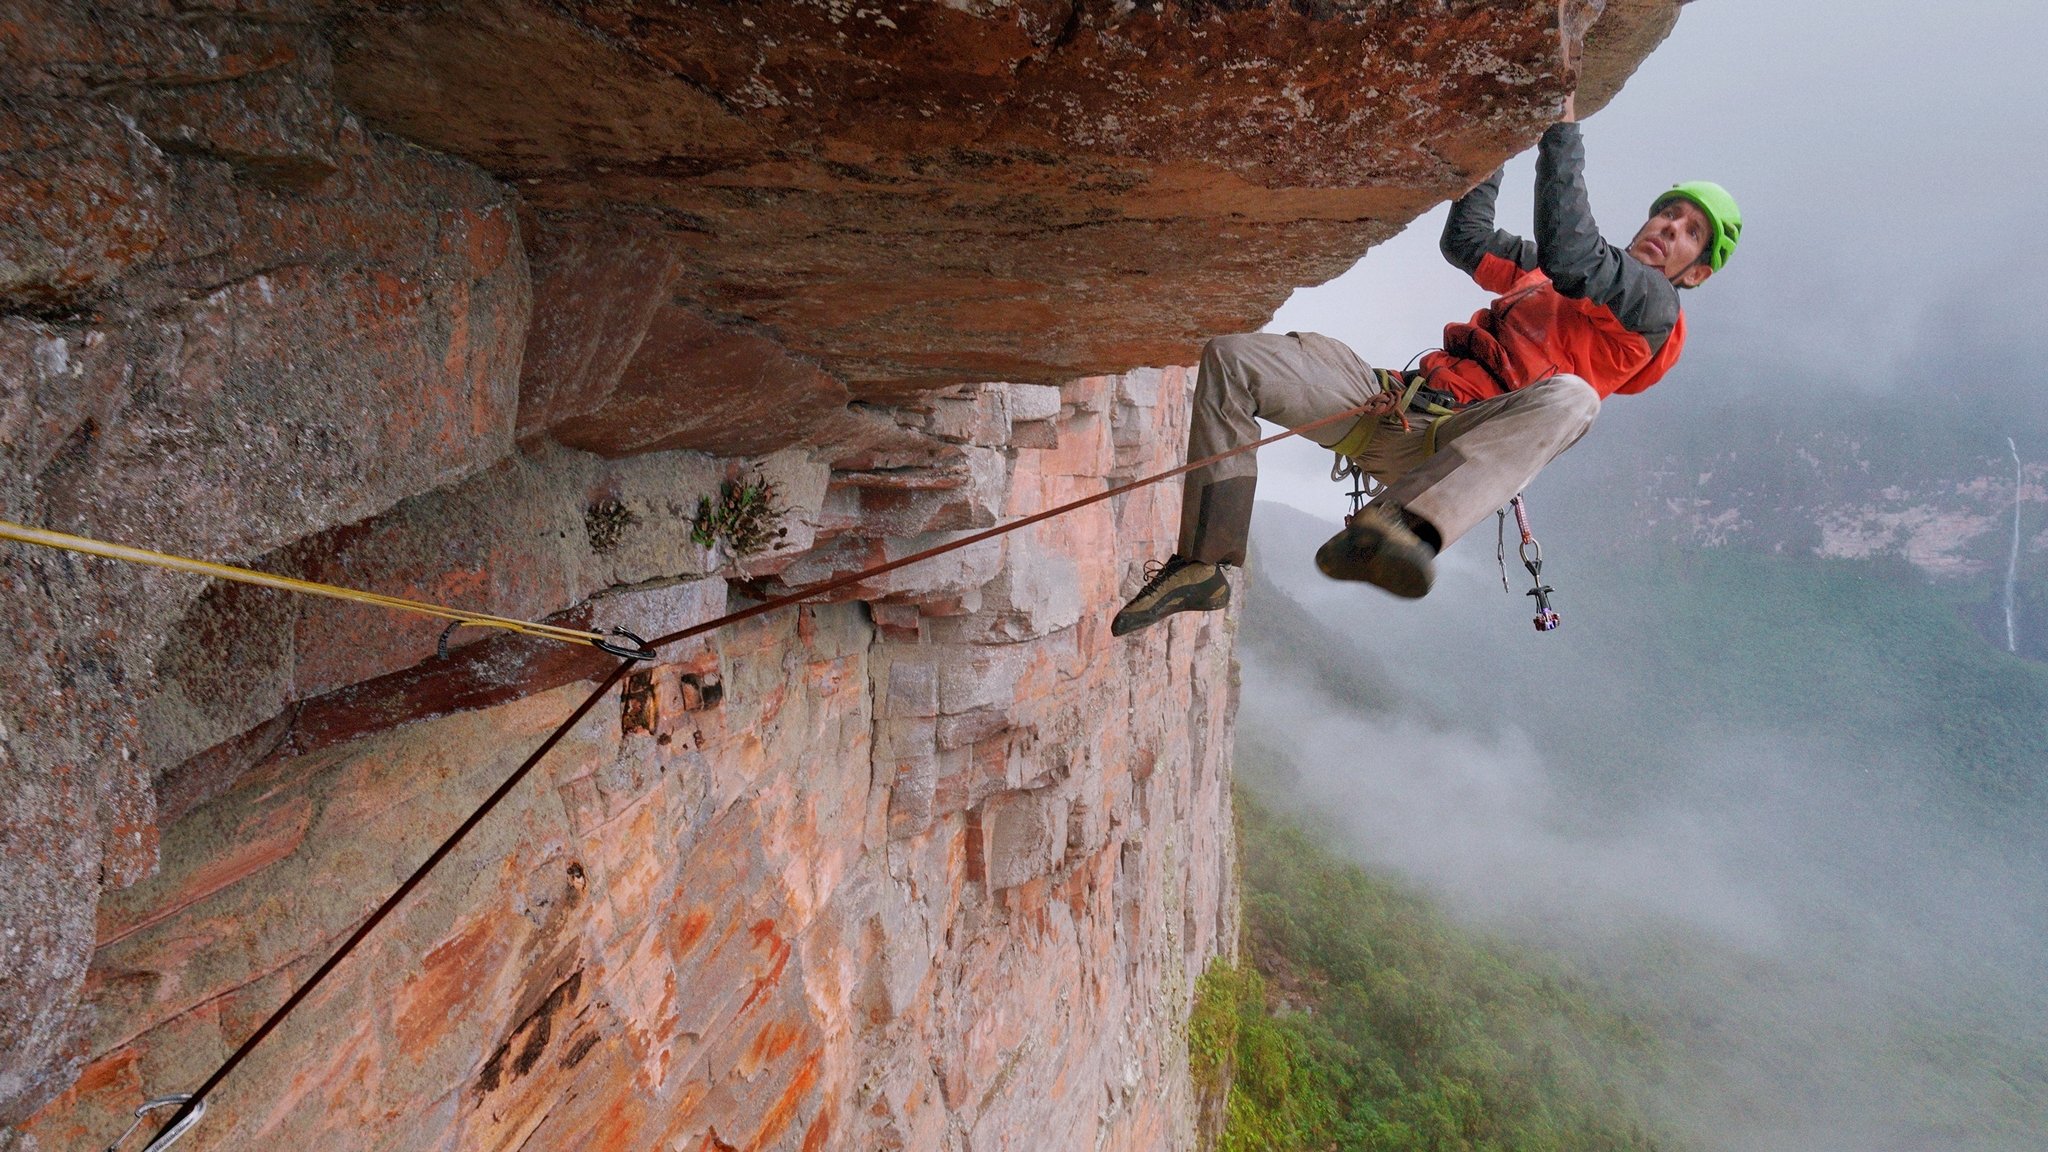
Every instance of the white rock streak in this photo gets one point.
(2012, 563)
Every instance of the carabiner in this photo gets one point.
(1363, 488)
(168, 1136)
(1547, 619)
(640, 650)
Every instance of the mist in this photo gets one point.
(1841, 956)
(1830, 905)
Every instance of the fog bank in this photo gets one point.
(1843, 954)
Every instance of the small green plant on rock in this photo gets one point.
(746, 517)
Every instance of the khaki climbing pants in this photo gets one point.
(1485, 453)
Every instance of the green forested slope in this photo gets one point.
(1855, 662)
(1362, 1019)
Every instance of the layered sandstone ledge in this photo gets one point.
(474, 300)
(934, 870)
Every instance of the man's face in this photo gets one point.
(1671, 241)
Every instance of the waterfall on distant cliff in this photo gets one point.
(2012, 563)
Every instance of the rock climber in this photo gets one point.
(1575, 320)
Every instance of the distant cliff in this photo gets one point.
(1837, 477)
(476, 302)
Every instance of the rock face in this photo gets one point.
(913, 193)
(475, 301)
(919, 873)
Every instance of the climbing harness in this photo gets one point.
(169, 1136)
(192, 1105)
(1414, 395)
(1547, 619)
(618, 641)
(1400, 393)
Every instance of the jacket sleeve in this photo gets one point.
(1470, 237)
(1579, 263)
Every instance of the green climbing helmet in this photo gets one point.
(1719, 207)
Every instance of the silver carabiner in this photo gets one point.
(1363, 487)
(168, 1136)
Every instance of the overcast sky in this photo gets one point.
(1893, 174)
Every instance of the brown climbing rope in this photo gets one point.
(1381, 404)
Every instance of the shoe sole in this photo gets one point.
(1360, 553)
(1194, 598)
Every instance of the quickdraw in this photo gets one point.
(1547, 619)
(1398, 393)
(1363, 487)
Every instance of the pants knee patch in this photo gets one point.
(1573, 390)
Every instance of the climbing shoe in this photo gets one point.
(1178, 585)
(1378, 547)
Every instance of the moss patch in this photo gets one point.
(605, 522)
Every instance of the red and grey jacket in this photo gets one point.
(1567, 302)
